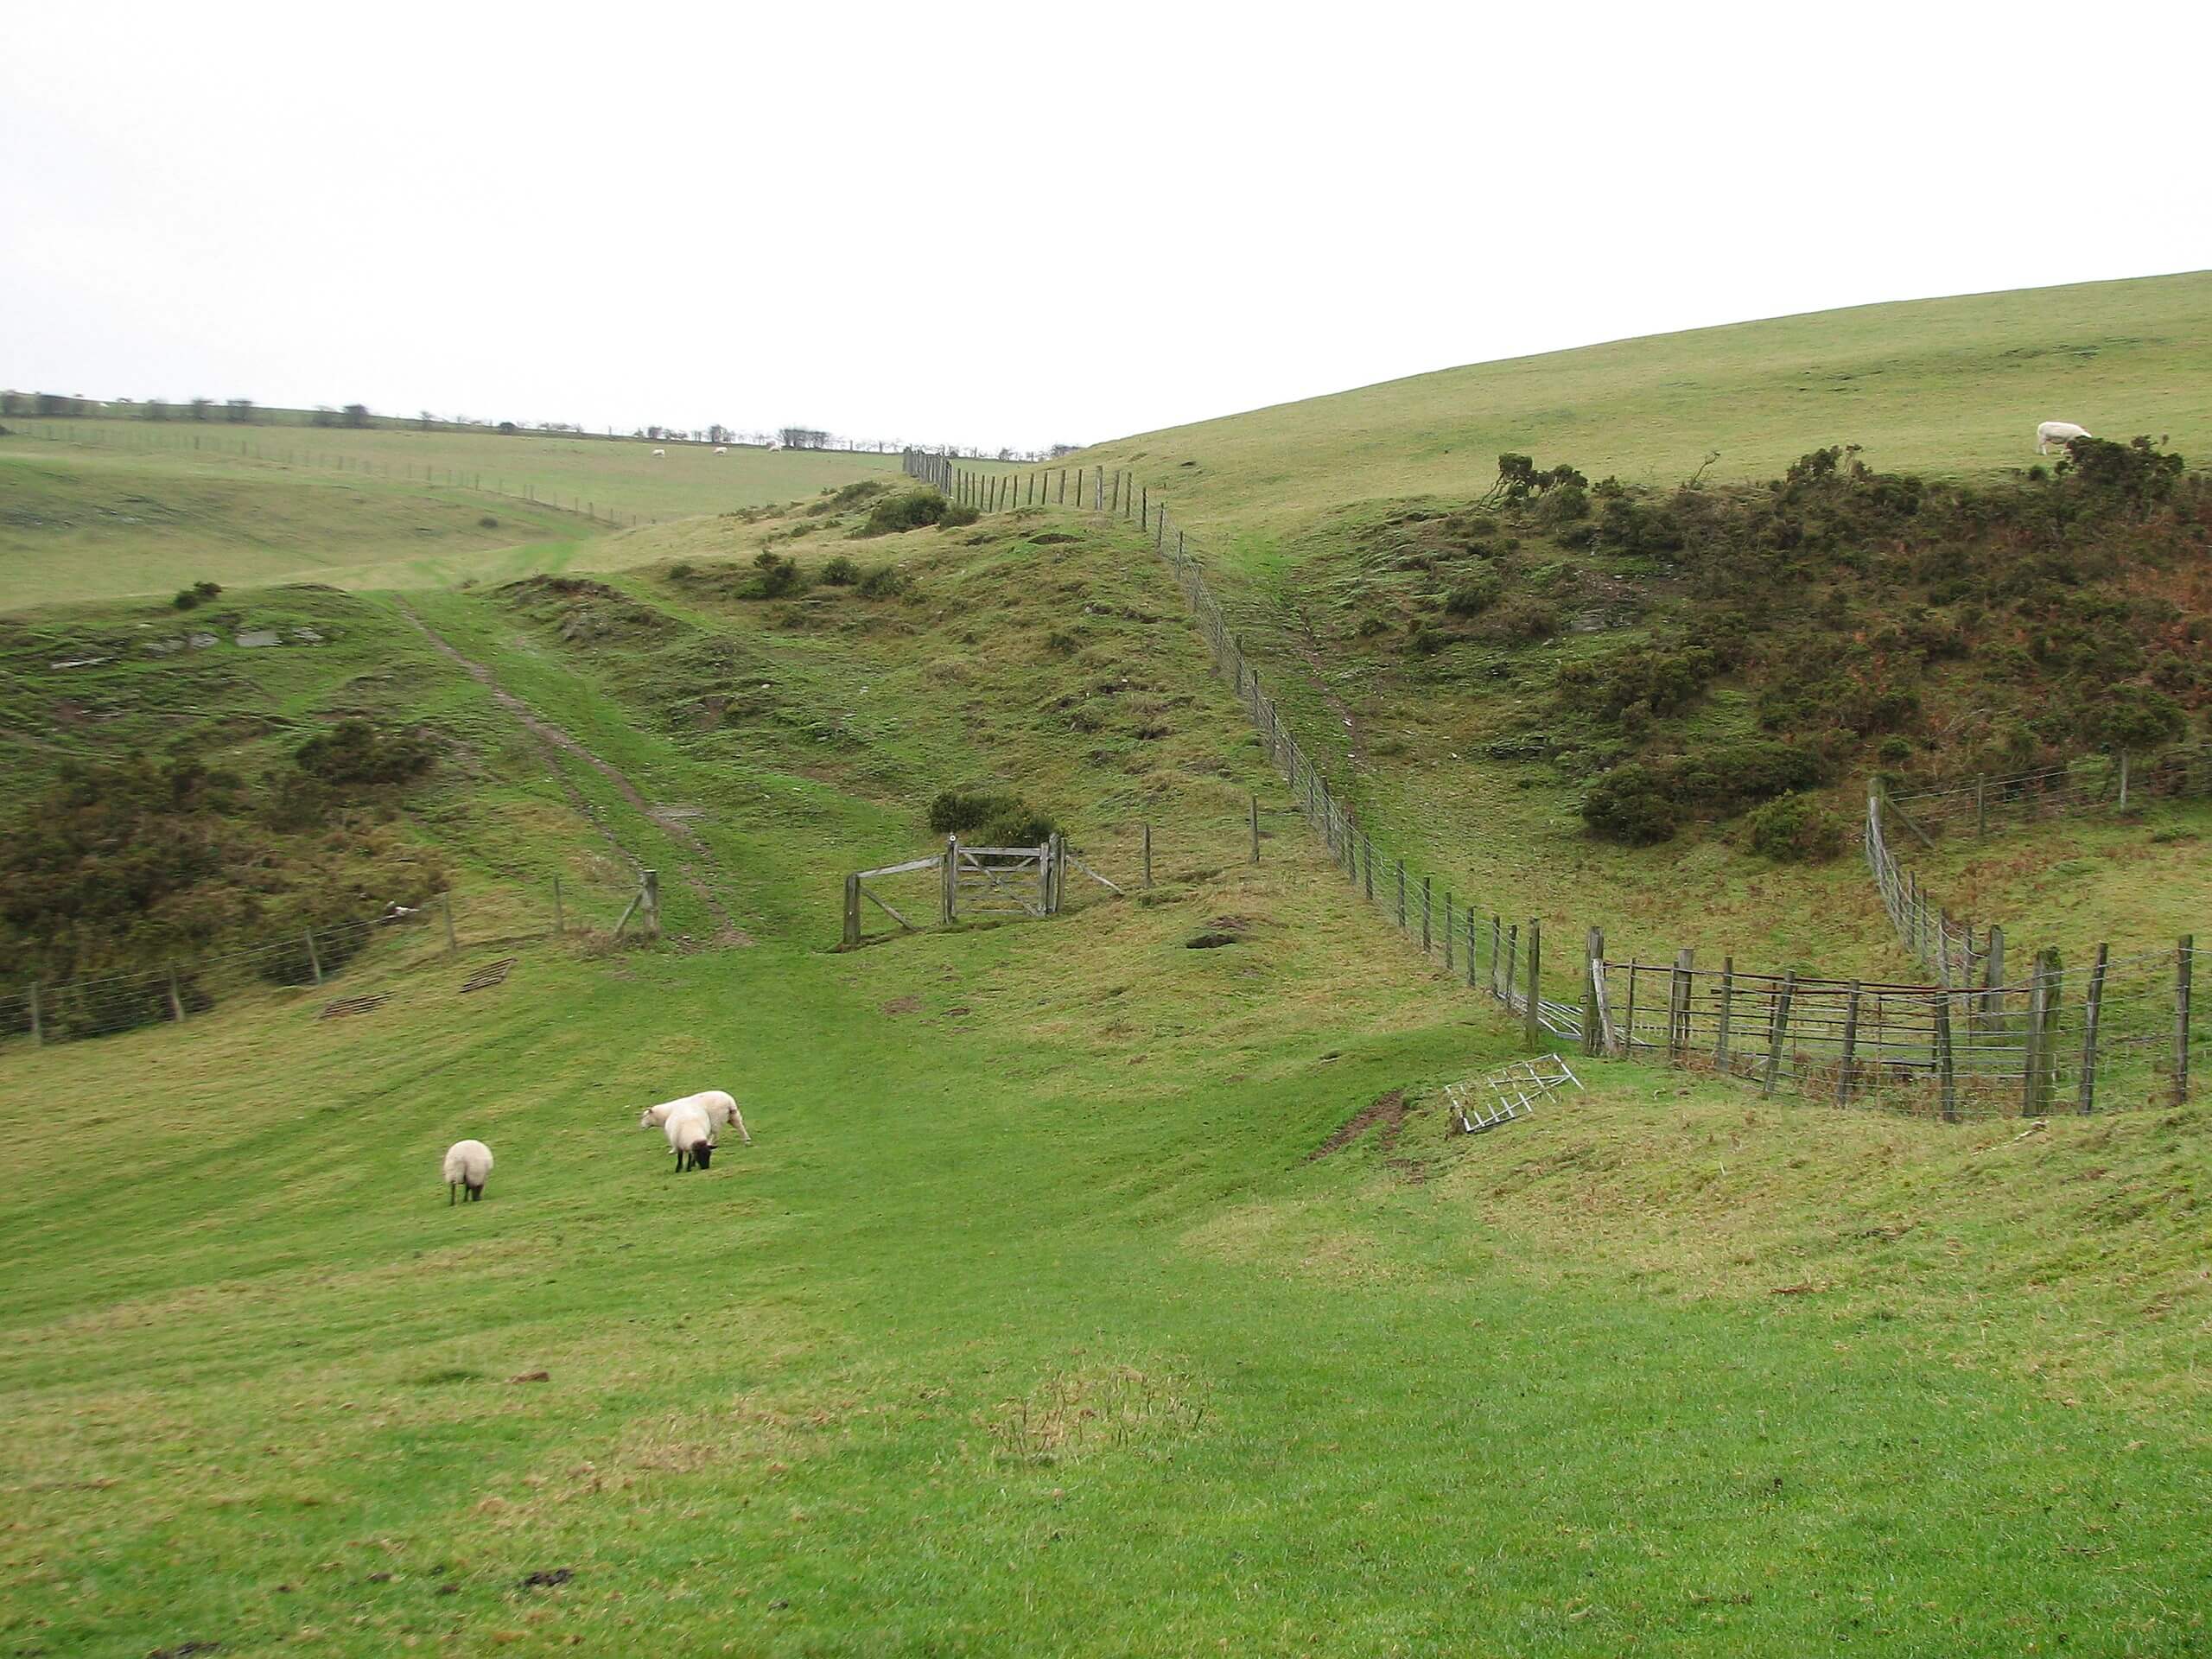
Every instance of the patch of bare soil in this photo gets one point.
(1388, 1110)
(553, 738)
(903, 1005)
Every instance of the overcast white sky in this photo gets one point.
(1016, 225)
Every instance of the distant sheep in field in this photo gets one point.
(722, 449)
(2061, 432)
(466, 1165)
(720, 1109)
(660, 452)
(690, 1137)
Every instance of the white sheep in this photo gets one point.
(720, 1109)
(660, 453)
(466, 1164)
(2061, 432)
(690, 1137)
(722, 449)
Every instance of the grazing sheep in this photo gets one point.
(660, 452)
(720, 1109)
(466, 1164)
(2061, 432)
(722, 449)
(690, 1137)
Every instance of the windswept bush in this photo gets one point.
(841, 572)
(912, 510)
(776, 577)
(886, 581)
(1794, 829)
(1630, 805)
(354, 754)
(990, 818)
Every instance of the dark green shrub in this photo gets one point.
(777, 577)
(841, 572)
(1475, 593)
(990, 818)
(2135, 719)
(886, 581)
(1521, 619)
(678, 571)
(1665, 680)
(912, 510)
(355, 754)
(1628, 805)
(1794, 829)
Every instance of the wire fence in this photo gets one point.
(285, 453)
(1953, 949)
(2115, 1034)
(101, 1005)
(2092, 784)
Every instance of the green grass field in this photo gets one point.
(111, 508)
(1032, 1322)
(1944, 387)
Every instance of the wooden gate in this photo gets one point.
(971, 881)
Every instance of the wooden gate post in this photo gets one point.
(1844, 1076)
(1678, 1005)
(1947, 1077)
(1779, 1031)
(1594, 1037)
(949, 888)
(2090, 1017)
(852, 936)
(1532, 1025)
(2184, 961)
(1727, 1012)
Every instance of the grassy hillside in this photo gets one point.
(1946, 387)
(1052, 1312)
(114, 508)
(1483, 668)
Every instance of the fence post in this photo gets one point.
(2089, 1018)
(1727, 1011)
(314, 962)
(560, 920)
(1947, 1076)
(1496, 945)
(1255, 829)
(1367, 864)
(2054, 989)
(38, 1017)
(1512, 961)
(1402, 895)
(1981, 807)
(2123, 780)
(1532, 1025)
(1678, 1005)
(447, 906)
(652, 903)
(176, 1000)
(1148, 853)
(1424, 915)
(949, 888)
(1844, 1076)
(1044, 872)
(1115, 505)
(2185, 960)
(1779, 1030)
(1595, 1038)
(852, 935)
(1470, 947)
(1993, 999)
(1448, 929)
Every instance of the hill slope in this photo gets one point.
(1084, 1292)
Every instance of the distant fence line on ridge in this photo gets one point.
(2117, 1034)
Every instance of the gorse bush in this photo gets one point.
(354, 753)
(775, 577)
(989, 818)
(199, 593)
(841, 572)
(1794, 829)
(912, 510)
(886, 581)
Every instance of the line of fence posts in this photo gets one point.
(1981, 994)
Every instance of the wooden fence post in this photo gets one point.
(38, 1017)
(1981, 807)
(1678, 1005)
(1424, 915)
(1727, 1010)
(448, 908)
(1147, 852)
(560, 921)
(2090, 1016)
(949, 888)
(1992, 999)
(1496, 944)
(1779, 1030)
(1448, 929)
(651, 917)
(2123, 780)
(1470, 947)
(1594, 1035)
(852, 936)
(2055, 988)
(1255, 829)
(176, 999)
(314, 962)
(1367, 864)
(1402, 895)
(1947, 1076)
(1512, 961)
(1844, 1076)
(2185, 960)
(1532, 1024)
